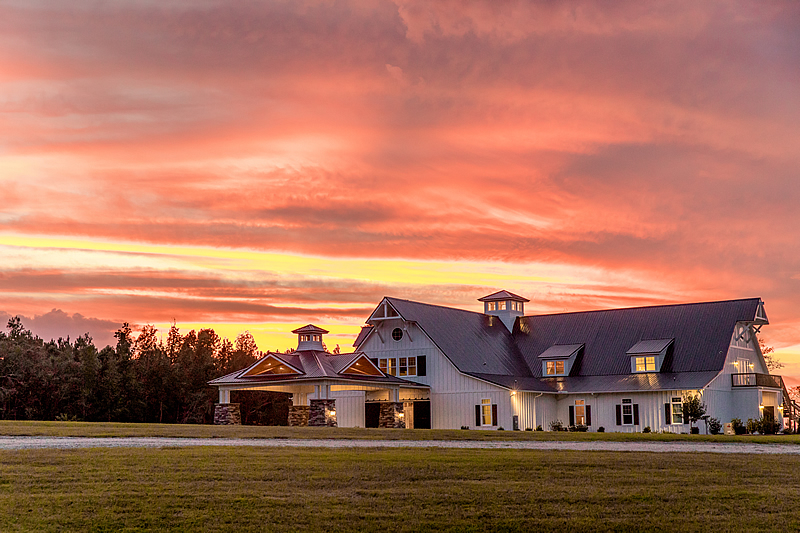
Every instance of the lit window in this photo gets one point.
(492, 306)
(627, 412)
(486, 412)
(387, 366)
(580, 413)
(403, 366)
(646, 364)
(554, 368)
(677, 411)
(408, 366)
(397, 334)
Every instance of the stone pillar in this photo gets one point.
(322, 413)
(391, 415)
(227, 414)
(298, 415)
(408, 411)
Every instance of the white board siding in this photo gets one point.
(533, 409)
(349, 408)
(604, 410)
(453, 395)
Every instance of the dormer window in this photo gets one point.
(648, 355)
(555, 368)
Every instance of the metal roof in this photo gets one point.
(310, 328)
(503, 295)
(702, 334)
(649, 346)
(474, 342)
(560, 351)
(652, 381)
(362, 335)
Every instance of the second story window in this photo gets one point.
(555, 368)
(646, 364)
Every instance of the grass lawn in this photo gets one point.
(113, 429)
(256, 489)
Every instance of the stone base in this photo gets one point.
(322, 413)
(392, 415)
(227, 414)
(298, 415)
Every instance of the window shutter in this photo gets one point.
(494, 414)
(374, 360)
(571, 415)
(668, 413)
(588, 415)
(421, 369)
(619, 415)
(636, 414)
(478, 415)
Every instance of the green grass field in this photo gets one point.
(112, 429)
(258, 489)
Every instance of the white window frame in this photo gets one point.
(407, 366)
(554, 366)
(580, 412)
(627, 402)
(676, 410)
(388, 366)
(486, 412)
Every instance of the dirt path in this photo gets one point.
(27, 443)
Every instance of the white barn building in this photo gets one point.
(428, 366)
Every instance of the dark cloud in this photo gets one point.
(56, 324)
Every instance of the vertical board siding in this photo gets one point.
(349, 408)
(453, 395)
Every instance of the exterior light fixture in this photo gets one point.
(332, 412)
(401, 415)
(752, 365)
(513, 393)
(736, 363)
(761, 406)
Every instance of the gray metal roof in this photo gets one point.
(649, 346)
(560, 351)
(702, 334)
(474, 342)
(503, 295)
(652, 381)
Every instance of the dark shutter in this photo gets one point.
(667, 413)
(619, 415)
(636, 414)
(588, 415)
(571, 415)
(421, 369)
(494, 414)
(374, 360)
(478, 415)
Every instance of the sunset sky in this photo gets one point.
(263, 165)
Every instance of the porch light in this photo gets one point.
(513, 393)
(736, 363)
(752, 365)
(332, 412)
(761, 406)
(401, 415)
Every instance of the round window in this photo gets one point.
(397, 334)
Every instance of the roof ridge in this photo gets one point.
(642, 307)
(434, 305)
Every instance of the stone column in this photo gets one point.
(322, 413)
(391, 415)
(227, 414)
(298, 415)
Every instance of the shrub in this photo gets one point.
(738, 427)
(601, 429)
(528, 429)
(768, 425)
(646, 429)
(501, 428)
(556, 425)
(753, 426)
(581, 427)
(787, 430)
(695, 430)
(714, 425)
(539, 428)
(464, 427)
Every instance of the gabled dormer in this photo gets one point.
(310, 338)
(559, 359)
(505, 305)
(648, 355)
(270, 365)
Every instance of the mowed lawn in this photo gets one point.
(302, 489)
(116, 429)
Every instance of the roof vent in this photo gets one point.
(504, 305)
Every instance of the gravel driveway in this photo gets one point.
(27, 443)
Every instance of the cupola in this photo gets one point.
(309, 338)
(504, 305)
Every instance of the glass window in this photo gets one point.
(627, 412)
(554, 368)
(580, 413)
(412, 366)
(387, 366)
(397, 334)
(677, 411)
(646, 364)
(492, 306)
(559, 367)
(403, 366)
(486, 412)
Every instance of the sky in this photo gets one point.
(263, 165)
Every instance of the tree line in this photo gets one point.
(144, 378)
